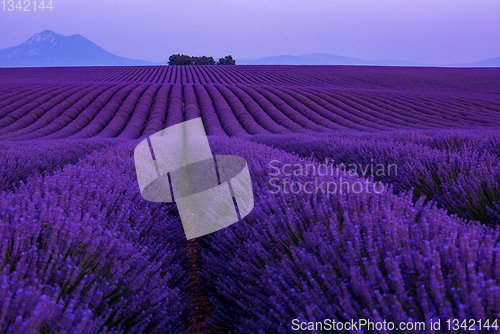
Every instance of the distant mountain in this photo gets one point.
(48, 49)
(492, 62)
(321, 59)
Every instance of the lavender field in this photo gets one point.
(82, 252)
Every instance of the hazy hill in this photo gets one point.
(492, 62)
(48, 49)
(321, 59)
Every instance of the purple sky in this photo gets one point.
(424, 31)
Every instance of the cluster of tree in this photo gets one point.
(187, 60)
(227, 60)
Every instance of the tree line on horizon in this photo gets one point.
(178, 59)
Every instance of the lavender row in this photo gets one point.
(244, 117)
(227, 118)
(23, 160)
(211, 121)
(80, 251)
(345, 256)
(158, 115)
(14, 112)
(136, 125)
(175, 106)
(459, 170)
(68, 116)
(20, 95)
(122, 116)
(325, 115)
(119, 111)
(256, 111)
(295, 115)
(447, 80)
(45, 113)
(105, 115)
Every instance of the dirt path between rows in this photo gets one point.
(200, 303)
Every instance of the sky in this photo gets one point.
(423, 31)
